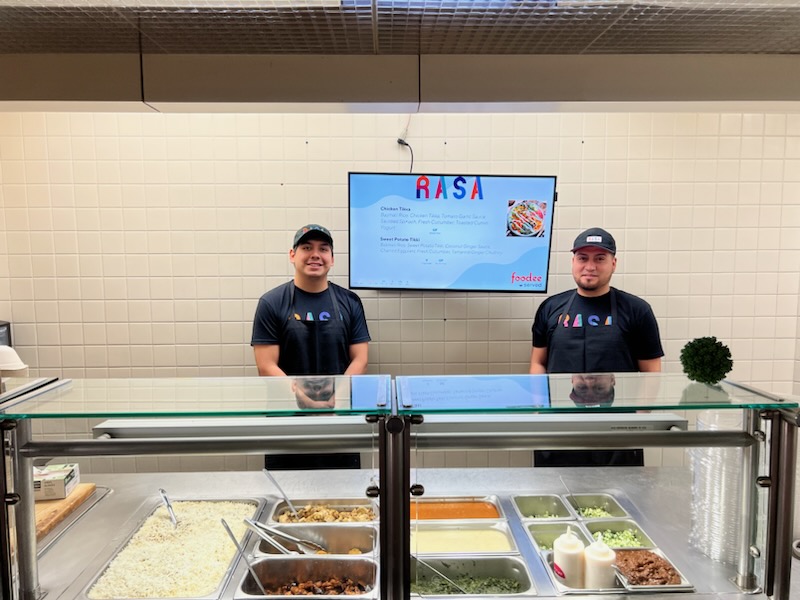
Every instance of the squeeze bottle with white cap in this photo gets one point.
(568, 559)
(599, 569)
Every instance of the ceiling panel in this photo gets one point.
(396, 27)
(45, 29)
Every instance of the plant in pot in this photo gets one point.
(707, 361)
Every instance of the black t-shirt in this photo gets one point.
(274, 309)
(591, 328)
(314, 331)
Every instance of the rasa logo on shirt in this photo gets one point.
(578, 321)
(323, 316)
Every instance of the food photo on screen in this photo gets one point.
(526, 218)
(450, 232)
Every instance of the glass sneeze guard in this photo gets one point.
(564, 393)
(200, 397)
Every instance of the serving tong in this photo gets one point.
(623, 579)
(168, 504)
(254, 527)
(266, 532)
(243, 556)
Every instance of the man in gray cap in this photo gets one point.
(310, 326)
(594, 329)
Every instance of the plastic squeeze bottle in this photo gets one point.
(568, 559)
(599, 570)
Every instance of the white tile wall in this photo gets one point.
(137, 245)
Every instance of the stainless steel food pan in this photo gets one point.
(461, 537)
(542, 507)
(476, 567)
(147, 510)
(581, 502)
(443, 501)
(544, 534)
(683, 586)
(338, 504)
(337, 538)
(615, 525)
(275, 572)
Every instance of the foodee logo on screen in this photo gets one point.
(460, 185)
(529, 280)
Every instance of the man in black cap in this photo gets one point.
(594, 329)
(310, 326)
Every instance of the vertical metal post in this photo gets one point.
(25, 514)
(6, 567)
(745, 575)
(783, 488)
(772, 502)
(395, 515)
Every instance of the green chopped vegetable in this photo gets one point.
(544, 515)
(619, 539)
(544, 545)
(471, 585)
(594, 512)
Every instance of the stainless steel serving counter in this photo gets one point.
(658, 498)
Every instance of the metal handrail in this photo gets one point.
(355, 442)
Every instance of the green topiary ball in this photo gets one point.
(706, 360)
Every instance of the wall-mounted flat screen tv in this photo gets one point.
(450, 232)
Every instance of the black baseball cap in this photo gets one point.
(595, 238)
(312, 232)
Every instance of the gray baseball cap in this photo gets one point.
(312, 232)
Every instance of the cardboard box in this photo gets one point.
(54, 482)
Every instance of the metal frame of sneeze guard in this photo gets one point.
(769, 431)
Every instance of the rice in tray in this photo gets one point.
(161, 561)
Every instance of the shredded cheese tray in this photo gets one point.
(189, 561)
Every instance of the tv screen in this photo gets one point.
(450, 232)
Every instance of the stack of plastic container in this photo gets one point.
(716, 486)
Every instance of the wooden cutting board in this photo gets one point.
(50, 513)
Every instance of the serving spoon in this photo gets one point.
(285, 497)
(427, 565)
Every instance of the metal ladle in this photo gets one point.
(285, 497)
(244, 558)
